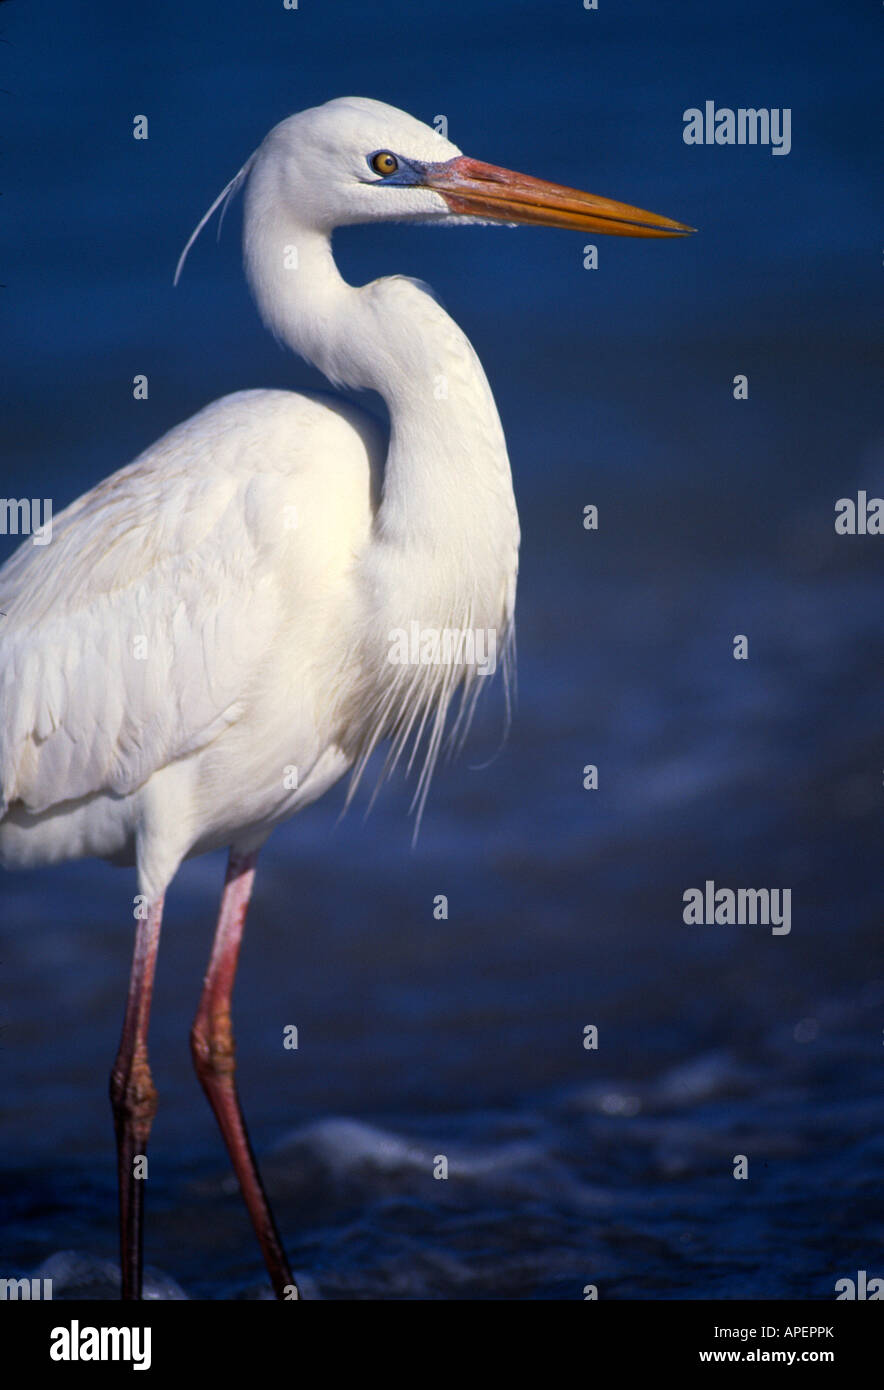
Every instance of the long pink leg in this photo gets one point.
(134, 1098)
(212, 1046)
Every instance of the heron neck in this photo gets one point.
(447, 479)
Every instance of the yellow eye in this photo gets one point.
(384, 163)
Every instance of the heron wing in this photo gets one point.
(130, 640)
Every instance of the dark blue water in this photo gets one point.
(463, 1038)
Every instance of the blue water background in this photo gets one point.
(464, 1038)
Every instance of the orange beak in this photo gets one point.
(473, 189)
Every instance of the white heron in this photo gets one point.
(206, 645)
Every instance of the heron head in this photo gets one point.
(356, 160)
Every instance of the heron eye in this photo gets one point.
(384, 163)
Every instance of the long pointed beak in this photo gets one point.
(474, 189)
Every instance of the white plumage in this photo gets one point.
(219, 612)
(212, 637)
